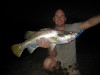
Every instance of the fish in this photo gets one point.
(32, 39)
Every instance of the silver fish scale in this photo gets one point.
(54, 36)
(46, 34)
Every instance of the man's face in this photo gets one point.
(59, 18)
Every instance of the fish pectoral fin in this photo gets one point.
(52, 46)
(53, 39)
(16, 49)
(31, 49)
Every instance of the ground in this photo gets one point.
(32, 64)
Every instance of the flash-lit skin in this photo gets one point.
(59, 20)
(49, 62)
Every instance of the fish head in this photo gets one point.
(72, 34)
(66, 33)
(66, 36)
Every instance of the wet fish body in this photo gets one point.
(33, 38)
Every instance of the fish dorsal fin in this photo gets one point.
(29, 34)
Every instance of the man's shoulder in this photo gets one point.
(73, 26)
(76, 23)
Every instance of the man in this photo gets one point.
(66, 53)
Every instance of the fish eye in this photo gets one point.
(61, 34)
(66, 32)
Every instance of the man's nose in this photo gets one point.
(59, 20)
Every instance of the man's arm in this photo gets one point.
(53, 53)
(90, 22)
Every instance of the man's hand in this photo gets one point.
(44, 43)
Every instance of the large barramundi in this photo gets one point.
(33, 38)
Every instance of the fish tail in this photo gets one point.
(17, 50)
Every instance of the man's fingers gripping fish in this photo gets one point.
(33, 38)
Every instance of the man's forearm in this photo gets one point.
(94, 20)
(91, 22)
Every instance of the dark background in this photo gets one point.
(21, 16)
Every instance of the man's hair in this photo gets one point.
(58, 10)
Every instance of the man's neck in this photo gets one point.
(60, 27)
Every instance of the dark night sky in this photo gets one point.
(21, 16)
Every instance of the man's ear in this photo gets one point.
(65, 19)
